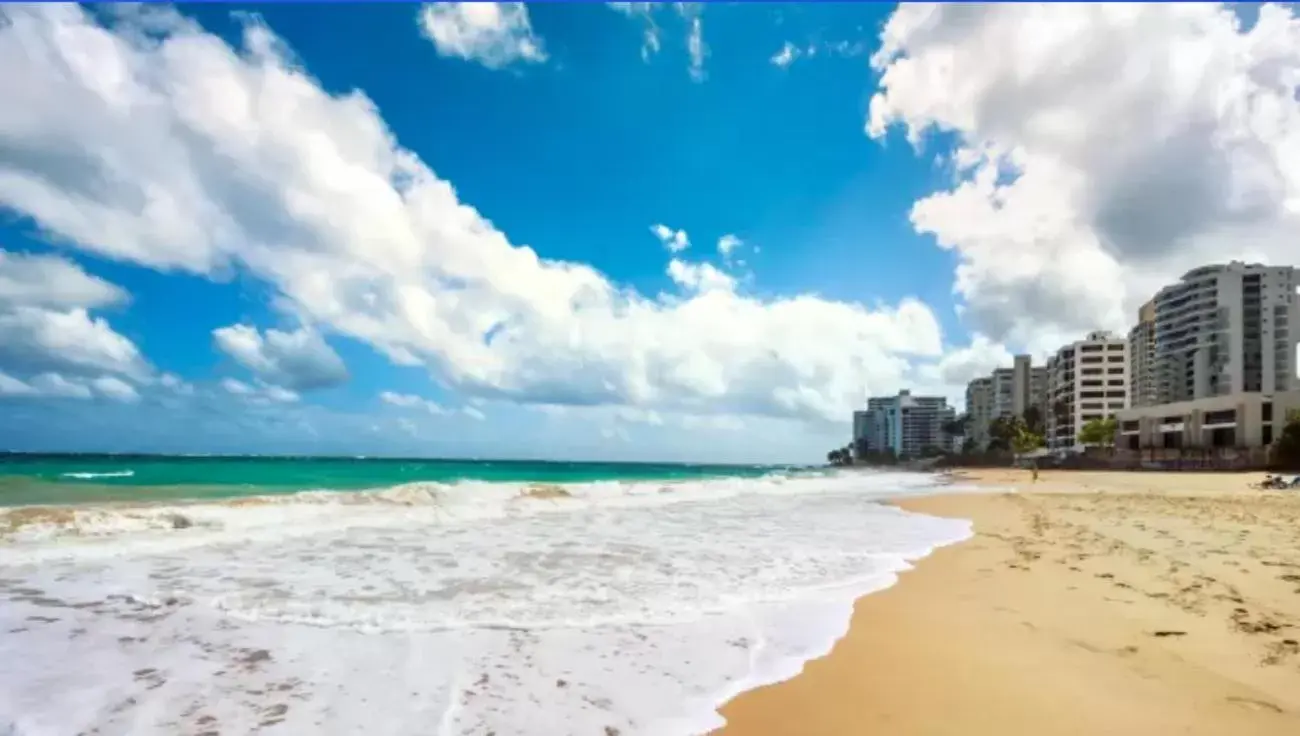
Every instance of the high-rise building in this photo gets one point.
(1007, 392)
(1087, 380)
(1227, 329)
(1003, 392)
(1142, 358)
(904, 424)
(979, 410)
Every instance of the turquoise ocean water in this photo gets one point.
(28, 479)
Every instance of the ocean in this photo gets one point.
(147, 595)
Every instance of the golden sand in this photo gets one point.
(1098, 603)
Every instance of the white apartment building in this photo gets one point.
(1006, 392)
(1142, 359)
(1227, 329)
(979, 410)
(904, 424)
(1087, 380)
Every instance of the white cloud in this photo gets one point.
(10, 386)
(299, 360)
(696, 48)
(53, 384)
(728, 243)
(700, 277)
(51, 282)
(493, 34)
(786, 56)
(675, 241)
(644, 11)
(1102, 151)
(115, 389)
(789, 52)
(45, 324)
(259, 393)
(163, 148)
(409, 401)
(34, 339)
(473, 413)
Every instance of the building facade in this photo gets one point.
(1225, 330)
(1142, 358)
(1007, 392)
(979, 410)
(905, 425)
(1087, 380)
(1244, 420)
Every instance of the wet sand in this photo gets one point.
(1090, 603)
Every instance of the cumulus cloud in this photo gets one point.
(492, 34)
(157, 143)
(54, 385)
(409, 401)
(675, 241)
(115, 388)
(259, 393)
(300, 360)
(10, 386)
(727, 244)
(50, 282)
(1101, 151)
(46, 326)
(700, 277)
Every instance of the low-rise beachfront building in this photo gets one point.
(1243, 420)
(905, 425)
(1087, 380)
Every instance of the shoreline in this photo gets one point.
(1088, 603)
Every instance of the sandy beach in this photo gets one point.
(1089, 603)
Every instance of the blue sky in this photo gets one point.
(261, 276)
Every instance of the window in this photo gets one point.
(1131, 425)
(1267, 411)
(1268, 434)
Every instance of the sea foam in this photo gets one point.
(453, 609)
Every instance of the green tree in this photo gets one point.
(1003, 431)
(1098, 432)
(956, 427)
(1033, 417)
(1286, 448)
(1026, 441)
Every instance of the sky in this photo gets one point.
(686, 232)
